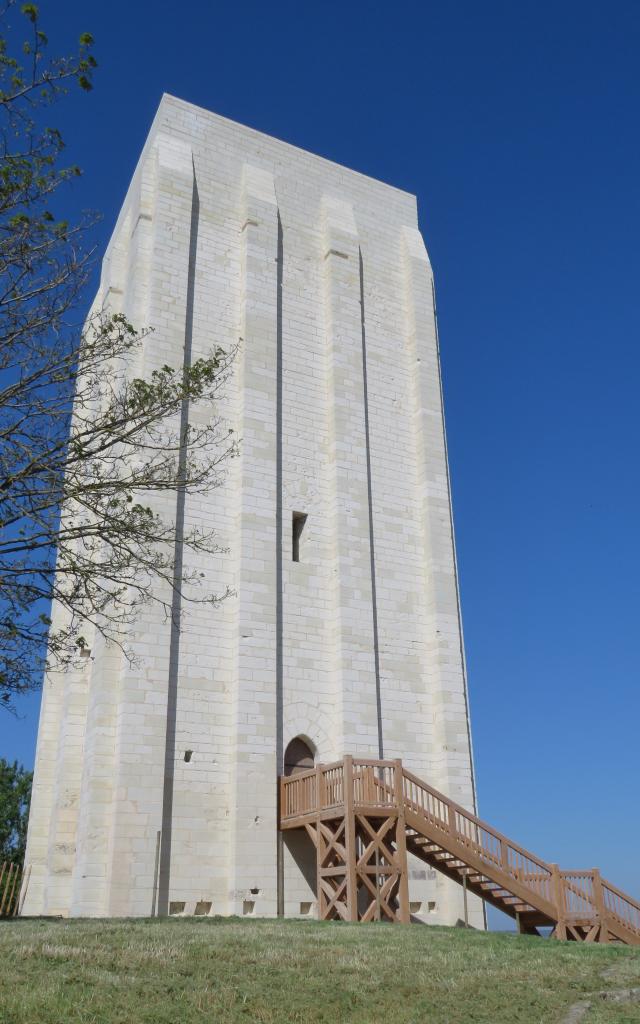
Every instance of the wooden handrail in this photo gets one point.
(624, 908)
(622, 895)
(459, 809)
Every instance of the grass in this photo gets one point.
(227, 971)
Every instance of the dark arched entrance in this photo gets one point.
(298, 757)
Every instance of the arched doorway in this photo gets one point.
(298, 757)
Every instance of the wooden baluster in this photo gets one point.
(451, 817)
(504, 856)
(321, 790)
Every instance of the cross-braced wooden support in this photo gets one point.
(361, 868)
(580, 932)
(361, 862)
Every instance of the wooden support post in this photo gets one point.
(560, 931)
(350, 841)
(598, 899)
(404, 915)
(320, 897)
(154, 894)
(464, 896)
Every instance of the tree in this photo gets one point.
(15, 795)
(83, 443)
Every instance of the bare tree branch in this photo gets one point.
(84, 444)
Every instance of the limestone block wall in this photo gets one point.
(320, 278)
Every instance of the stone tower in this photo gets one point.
(343, 633)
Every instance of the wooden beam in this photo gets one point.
(350, 841)
(404, 914)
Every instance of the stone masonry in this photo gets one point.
(320, 275)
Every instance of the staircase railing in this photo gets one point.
(322, 787)
(489, 845)
(621, 907)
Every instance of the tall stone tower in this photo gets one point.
(155, 783)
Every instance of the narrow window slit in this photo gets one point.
(298, 523)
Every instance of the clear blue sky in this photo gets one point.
(517, 126)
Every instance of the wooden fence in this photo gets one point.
(12, 890)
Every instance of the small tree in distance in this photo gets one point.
(82, 443)
(15, 796)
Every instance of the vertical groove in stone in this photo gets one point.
(279, 586)
(279, 567)
(374, 601)
(176, 600)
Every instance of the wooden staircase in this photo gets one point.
(364, 816)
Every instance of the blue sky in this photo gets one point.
(517, 127)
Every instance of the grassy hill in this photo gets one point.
(226, 970)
